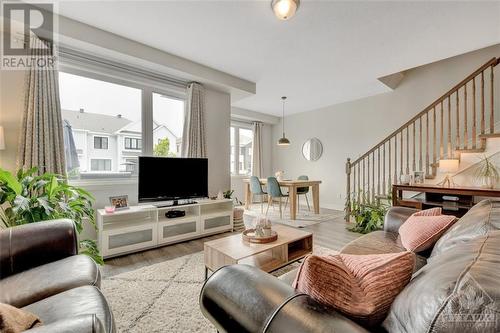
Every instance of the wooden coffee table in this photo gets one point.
(292, 244)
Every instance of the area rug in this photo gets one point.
(304, 217)
(164, 297)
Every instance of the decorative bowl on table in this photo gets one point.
(250, 235)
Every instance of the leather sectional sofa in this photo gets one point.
(455, 287)
(41, 272)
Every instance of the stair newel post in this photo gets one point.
(474, 115)
(492, 102)
(483, 126)
(449, 148)
(441, 134)
(348, 190)
(466, 134)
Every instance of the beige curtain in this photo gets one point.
(257, 150)
(194, 135)
(41, 141)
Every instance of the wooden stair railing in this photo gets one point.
(459, 121)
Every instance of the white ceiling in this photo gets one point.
(330, 52)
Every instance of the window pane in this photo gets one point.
(233, 157)
(106, 112)
(168, 122)
(245, 151)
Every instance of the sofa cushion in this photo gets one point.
(479, 221)
(360, 286)
(72, 303)
(457, 291)
(14, 320)
(420, 232)
(43, 281)
(380, 242)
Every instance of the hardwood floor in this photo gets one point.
(331, 234)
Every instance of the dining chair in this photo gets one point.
(274, 191)
(256, 188)
(303, 191)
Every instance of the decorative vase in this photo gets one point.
(279, 175)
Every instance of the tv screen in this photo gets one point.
(172, 178)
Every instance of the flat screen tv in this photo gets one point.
(172, 178)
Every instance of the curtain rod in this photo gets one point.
(71, 54)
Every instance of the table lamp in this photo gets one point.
(2, 139)
(448, 166)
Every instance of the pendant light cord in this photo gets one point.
(283, 121)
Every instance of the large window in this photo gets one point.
(106, 119)
(241, 150)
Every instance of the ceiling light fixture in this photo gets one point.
(283, 141)
(285, 9)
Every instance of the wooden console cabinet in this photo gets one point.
(143, 227)
(426, 196)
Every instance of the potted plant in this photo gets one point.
(28, 197)
(486, 173)
(368, 215)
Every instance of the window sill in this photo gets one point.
(102, 183)
(240, 176)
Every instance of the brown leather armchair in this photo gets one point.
(41, 272)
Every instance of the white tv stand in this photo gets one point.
(143, 227)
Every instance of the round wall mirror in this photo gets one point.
(312, 149)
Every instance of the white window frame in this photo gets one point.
(93, 70)
(236, 149)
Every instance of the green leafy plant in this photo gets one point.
(228, 194)
(486, 172)
(162, 148)
(368, 214)
(28, 197)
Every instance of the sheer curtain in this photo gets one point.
(257, 150)
(194, 134)
(41, 142)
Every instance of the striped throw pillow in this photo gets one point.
(420, 233)
(362, 287)
(429, 212)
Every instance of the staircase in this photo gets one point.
(460, 121)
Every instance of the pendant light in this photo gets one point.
(283, 141)
(285, 9)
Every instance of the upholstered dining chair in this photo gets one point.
(256, 189)
(303, 191)
(274, 191)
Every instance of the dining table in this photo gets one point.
(292, 186)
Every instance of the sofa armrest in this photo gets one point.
(31, 245)
(242, 298)
(396, 216)
(81, 324)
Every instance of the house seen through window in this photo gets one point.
(103, 126)
(241, 150)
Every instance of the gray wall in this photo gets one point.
(350, 129)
